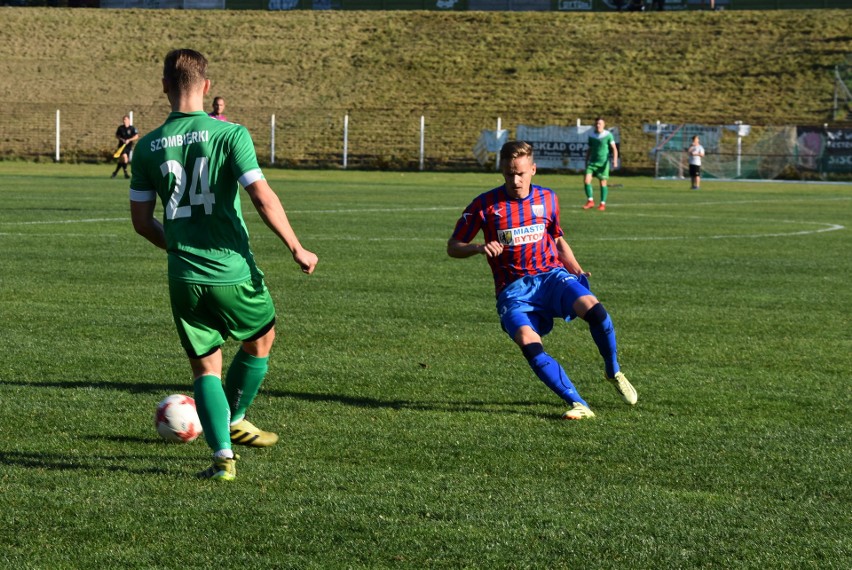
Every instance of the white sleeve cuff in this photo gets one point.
(142, 195)
(251, 177)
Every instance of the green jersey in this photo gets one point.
(195, 164)
(599, 144)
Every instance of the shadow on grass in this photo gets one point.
(74, 462)
(474, 406)
(131, 439)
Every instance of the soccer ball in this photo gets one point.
(176, 419)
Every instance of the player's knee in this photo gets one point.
(261, 343)
(596, 315)
(532, 350)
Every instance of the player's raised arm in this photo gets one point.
(269, 207)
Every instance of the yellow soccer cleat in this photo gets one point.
(223, 469)
(578, 412)
(624, 387)
(246, 433)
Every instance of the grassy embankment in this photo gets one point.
(460, 70)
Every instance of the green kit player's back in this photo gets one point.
(196, 164)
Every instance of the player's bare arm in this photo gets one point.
(145, 224)
(614, 155)
(566, 256)
(269, 207)
(460, 249)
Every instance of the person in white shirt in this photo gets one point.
(695, 152)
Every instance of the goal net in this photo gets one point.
(734, 152)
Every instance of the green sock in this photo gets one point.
(243, 380)
(588, 189)
(604, 192)
(213, 411)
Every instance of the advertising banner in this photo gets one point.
(561, 147)
(515, 5)
(489, 142)
(574, 5)
(637, 5)
(824, 150)
(367, 4)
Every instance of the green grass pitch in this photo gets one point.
(413, 433)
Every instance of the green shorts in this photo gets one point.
(206, 315)
(599, 171)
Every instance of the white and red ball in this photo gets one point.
(177, 420)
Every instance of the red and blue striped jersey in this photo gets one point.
(527, 228)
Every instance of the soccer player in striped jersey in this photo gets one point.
(536, 275)
(195, 165)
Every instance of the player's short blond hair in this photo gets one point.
(183, 69)
(515, 149)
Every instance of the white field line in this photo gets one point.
(60, 222)
(53, 222)
(827, 227)
(30, 234)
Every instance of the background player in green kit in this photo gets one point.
(195, 164)
(601, 143)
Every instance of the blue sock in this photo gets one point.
(603, 333)
(551, 373)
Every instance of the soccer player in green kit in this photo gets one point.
(195, 164)
(601, 143)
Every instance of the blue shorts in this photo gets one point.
(535, 300)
